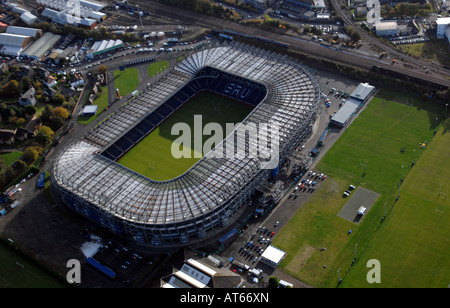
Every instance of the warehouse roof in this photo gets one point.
(23, 31)
(12, 39)
(387, 25)
(443, 21)
(363, 91)
(38, 48)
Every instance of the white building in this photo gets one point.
(34, 33)
(442, 25)
(272, 256)
(28, 18)
(386, 28)
(13, 44)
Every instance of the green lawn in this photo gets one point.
(127, 80)
(152, 156)
(156, 67)
(11, 157)
(101, 101)
(376, 137)
(19, 272)
(413, 245)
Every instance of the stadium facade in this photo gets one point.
(198, 205)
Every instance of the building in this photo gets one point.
(201, 273)
(28, 18)
(195, 208)
(358, 97)
(34, 33)
(100, 47)
(272, 256)
(50, 81)
(14, 44)
(305, 4)
(387, 28)
(44, 43)
(7, 136)
(260, 5)
(65, 18)
(28, 98)
(442, 26)
(90, 110)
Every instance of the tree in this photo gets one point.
(47, 113)
(274, 282)
(25, 83)
(58, 99)
(102, 69)
(29, 109)
(44, 135)
(355, 36)
(11, 88)
(31, 154)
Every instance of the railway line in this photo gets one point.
(438, 77)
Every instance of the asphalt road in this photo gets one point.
(296, 44)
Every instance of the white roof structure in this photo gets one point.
(44, 43)
(14, 40)
(13, 44)
(84, 8)
(358, 97)
(443, 24)
(363, 91)
(64, 17)
(386, 25)
(23, 31)
(90, 109)
(105, 45)
(205, 196)
(272, 256)
(443, 21)
(28, 18)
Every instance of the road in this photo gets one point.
(299, 45)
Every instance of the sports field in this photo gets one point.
(391, 122)
(19, 272)
(152, 156)
(127, 80)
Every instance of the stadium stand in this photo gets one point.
(196, 206)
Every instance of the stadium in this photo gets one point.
(203, 202)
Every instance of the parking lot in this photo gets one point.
(408, 39)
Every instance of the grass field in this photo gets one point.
(376, 137)
(413, 245)
(157, 67)
(11, 157)
(18, 272)
(127, 80)
(152, 156)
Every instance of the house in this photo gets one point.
(7, 136)
(50, 81)
(43, 73)
(28, 98)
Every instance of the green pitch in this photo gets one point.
(153, 157)
(19, 272)
(391, 122)
(127, 80)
